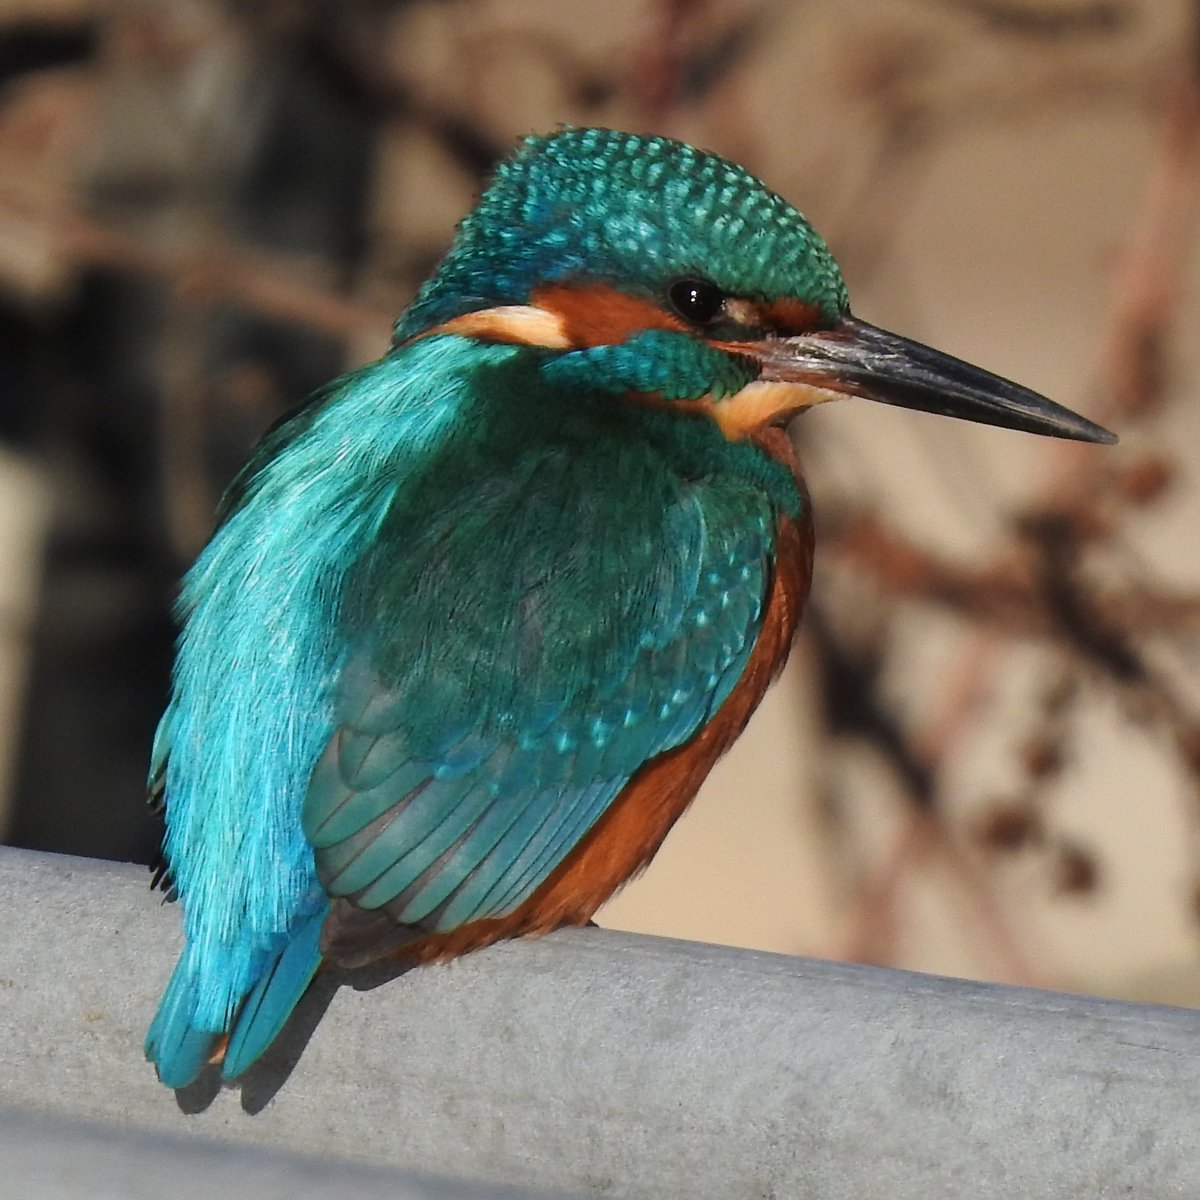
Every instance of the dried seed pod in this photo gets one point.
(1043, 757)
(1076, 871)
(1008, 826)
(1146, 481)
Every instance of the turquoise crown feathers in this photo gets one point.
(635, 211)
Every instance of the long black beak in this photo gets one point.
(860, 360)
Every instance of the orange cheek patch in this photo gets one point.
(789, 315)
(598, 315)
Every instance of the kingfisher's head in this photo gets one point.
(653, 270)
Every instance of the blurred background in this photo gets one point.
(984, 758)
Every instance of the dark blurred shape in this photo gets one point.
(1008, 826)
(855, 706)
(1043, 757)
(105, 389)
(1076, 871)
(1057, 538)
(23, 346)
(1049, 21)
(28, 45)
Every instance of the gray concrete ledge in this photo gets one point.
(56, 1158)
(609, 1064)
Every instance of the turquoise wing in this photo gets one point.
(552, 630)
(251, 707)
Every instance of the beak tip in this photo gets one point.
(1089, 431)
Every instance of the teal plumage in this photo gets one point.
(275, 615)
(476, 597)
(627, 617)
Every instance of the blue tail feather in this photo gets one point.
(174, 1044)
(276, 994)
(180, 1048)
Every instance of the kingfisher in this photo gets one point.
(478, 618)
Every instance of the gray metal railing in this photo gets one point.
(601, 1063)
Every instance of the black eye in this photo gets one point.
(696, 300)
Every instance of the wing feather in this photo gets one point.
(504, 689)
